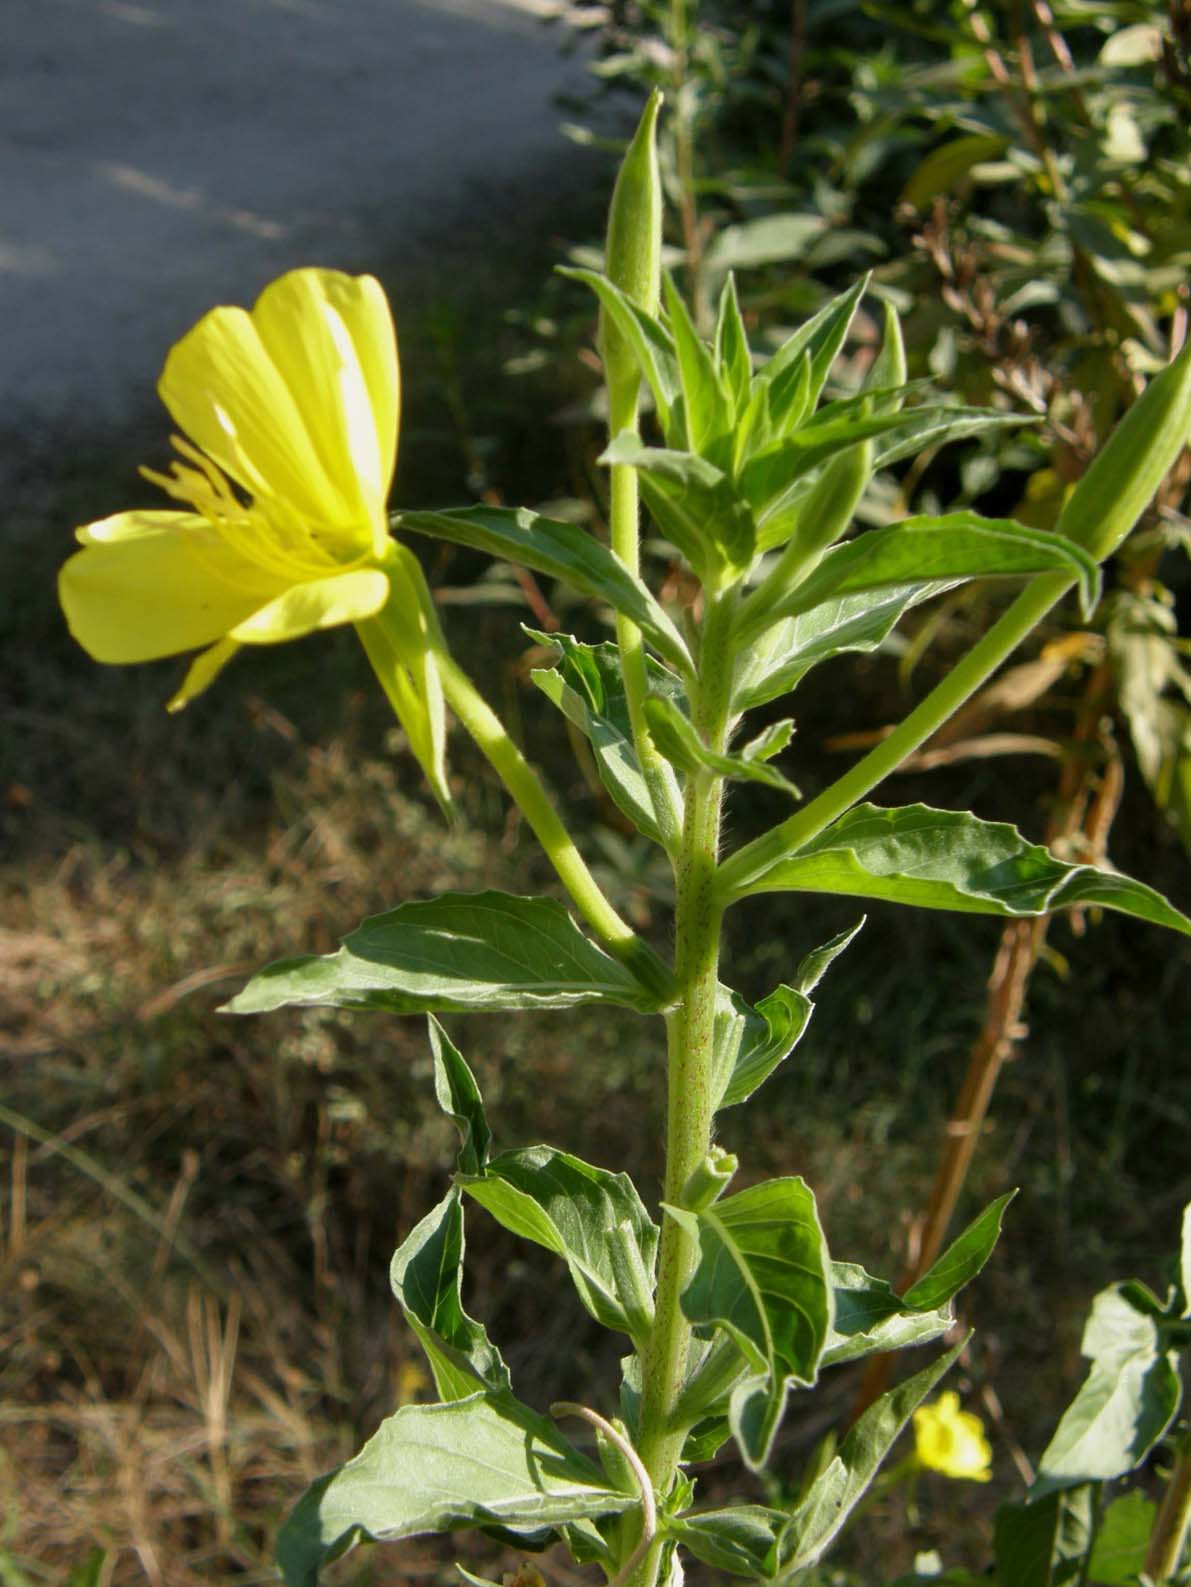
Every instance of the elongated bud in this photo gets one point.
(1132, 463)
(633, 259)
(633, 1287)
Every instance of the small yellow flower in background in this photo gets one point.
(952, 1441)
(291, 413)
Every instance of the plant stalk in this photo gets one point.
(691, 1031)
(1173, 1524)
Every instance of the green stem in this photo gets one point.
(659, 779)
(747, 864)
(691, 1029)
(1173, 1524)
(531, 798)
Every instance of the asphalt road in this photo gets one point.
(159, 156)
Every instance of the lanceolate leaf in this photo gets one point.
(749, 1043)
(461, 953)
(742, 1539)
(560, 550)
(932, 427)
(820, 1516)
(652, 344)
(962, 1260)
(763, 1278)
(573, 1209)
(870, 1317)
(705, 401)
(676, 737)
(459, 1098)
(479, 1462)
(693, 503)
(947, 859)
(426, 1275)
(1126, 1403)
(954, 547)
(821, 337)
(779, 659)
(588, 687)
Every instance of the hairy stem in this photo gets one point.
(691, 1029)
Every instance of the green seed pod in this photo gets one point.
(633, 260)
(1128, 469)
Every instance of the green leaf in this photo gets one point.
(1122, 1539)
(427, 1275)
(573, 1209)
(956, 546)
(560, 550)
(782, 656)
(731, 347)
(822, 1513)
(588, 688)
(693, 503)
(821, 338)
(870, 1317)
(459, 1097)
(762, 1277)
(484, 1461)
(89, 1572)
(947, 859)
(962, 1260)
(652, 345)
(705, 403)
(741, 1540)
(1043, 1544)
(768, 239)
(1126, 1402)
(931, 427)
(947, 165)
(675, 735)
(886, 379)
(817, 963)
(749, 1043)
(458, 953)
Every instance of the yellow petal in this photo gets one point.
(318, 603)
(202, 672)
(224, 390)
(154, 584)
(330, 337)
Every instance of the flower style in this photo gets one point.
(952, 1441)
(291, 413)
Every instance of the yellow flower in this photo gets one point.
(292, 412)
(952, 1441)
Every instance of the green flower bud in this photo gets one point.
(633, 260)
(1131, 465)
